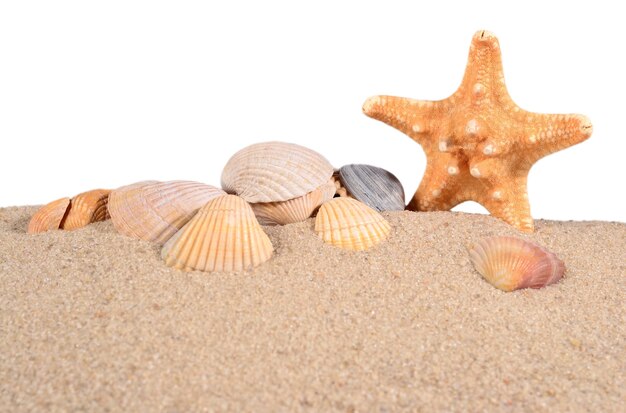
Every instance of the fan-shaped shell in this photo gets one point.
(374, 186)
(49, 216)
(293, 210)
(275, 171)
(223, 236)
(350, 224)
(87, 207)
(510, 263)
(155, 211)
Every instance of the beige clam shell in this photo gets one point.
(293, 210)
(350, 224)
(511, 263)
(49, 216)
(275, 171)
(223, 236)
(86, 208)
(154, 211)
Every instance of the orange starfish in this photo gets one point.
(479, 144)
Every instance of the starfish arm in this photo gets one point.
(547, 133)
(442, 182)
(508, 200)
(415, 118)
(483, 80)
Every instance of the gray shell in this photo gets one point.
(376, 187)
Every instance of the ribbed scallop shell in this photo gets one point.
(350, 224)
(223, 236)
(275, 171)
(87, 207)
(155, 211)
(510, 263)
(49, 216)
(293, 210)
(374, 186)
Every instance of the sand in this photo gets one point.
(91, 320)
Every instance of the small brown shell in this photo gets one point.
(155, 211)
(510, 263)
(223, 236)
(49, 216)
(293, 210)
(274, 172)
(350, 224)
(86, 208)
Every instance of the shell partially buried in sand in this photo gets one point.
(350, 224)
(86, 208)
(49, 216)
(223, 236)
(154, 211)
(293, 210)
(274, 172)
(510, 263)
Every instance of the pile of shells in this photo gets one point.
(202, 227)
(69, 214)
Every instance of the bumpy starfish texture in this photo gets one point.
(479, 144)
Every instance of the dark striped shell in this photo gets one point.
(375, 187)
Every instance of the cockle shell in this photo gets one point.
(155, 211)
(350, 224)
(275, 171)
(223, 236)
(510, 263)
(376, 187)
(293, 210)
(49, 216)
(87, 207)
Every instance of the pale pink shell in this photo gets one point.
(293, 210)
(155, 211)
(510, 263)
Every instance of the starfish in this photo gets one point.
(479, 144)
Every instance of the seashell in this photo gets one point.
(350, 224)
(49, 216)
(376, 187)
(293, 210)
(88, 207)
(155, 211)
(339, 188)
(223, 236)
(510, 263)
(275, 171)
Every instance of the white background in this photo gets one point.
(103, 94)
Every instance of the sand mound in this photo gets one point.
(93, 320)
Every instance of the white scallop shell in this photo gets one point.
(155, 211)
(275, 171)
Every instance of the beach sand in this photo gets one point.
(91, 320)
